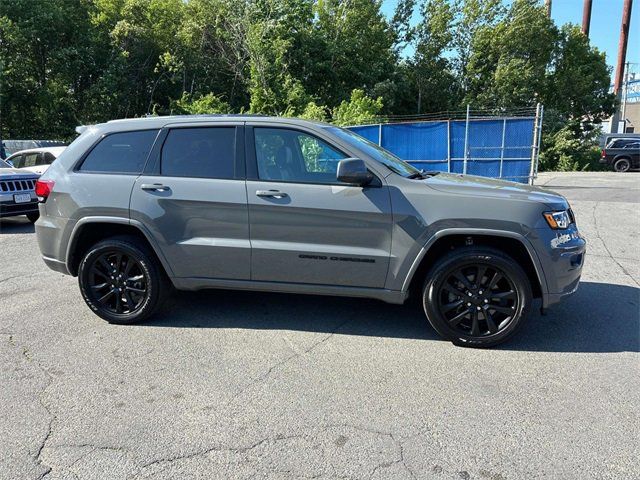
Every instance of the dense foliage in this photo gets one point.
(70, 62)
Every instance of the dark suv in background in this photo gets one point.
(622, 154)
(133, 207)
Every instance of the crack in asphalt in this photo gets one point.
(286, 360)
(604, 244)
(25, 352)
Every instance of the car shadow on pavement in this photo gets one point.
(599, 317)
(14, 225)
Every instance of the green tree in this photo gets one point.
(188, 105)
(359, 109)
(509, 61)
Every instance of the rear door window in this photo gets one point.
(17, 161)
(31, 159)
(124, 152)
(48, 158)
(201, 152)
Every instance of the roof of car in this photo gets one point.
(54, 150)
(161, 121)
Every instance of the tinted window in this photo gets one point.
(17, 161)
(632, 145)
(123, 152)
(293, 156)
(205, 152)
(48, 158)
(31, 159)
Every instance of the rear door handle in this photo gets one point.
(154, 187)
(271, 194)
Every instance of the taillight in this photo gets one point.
(604, 153)
(44, 188)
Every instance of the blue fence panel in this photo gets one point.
(370, 132)
(484, 147)
(422, 144)
(517, 154)
(440, 145)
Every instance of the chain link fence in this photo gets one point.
(488, 143)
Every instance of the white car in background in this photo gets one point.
(35, 160)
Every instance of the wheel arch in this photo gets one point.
(511, 243)
(90, 230)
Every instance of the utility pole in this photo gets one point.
(586, 17)
(622, 56)
(547, 4)
(624, 99)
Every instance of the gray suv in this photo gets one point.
(134, 207)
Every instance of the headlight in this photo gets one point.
(558, 220)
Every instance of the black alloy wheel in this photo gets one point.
(121, 280)
(476, 296)
(118, 282)
(478, 300)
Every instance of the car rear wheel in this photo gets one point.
(33, 217)
(476, 297)
(122, 281)
(622, 165)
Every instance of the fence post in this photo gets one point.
(535, 173)
(466, 142)
(449, 146)
(504, 132)
(379, 134)
(534, 145)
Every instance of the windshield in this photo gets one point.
(4, 164)
(383, 156)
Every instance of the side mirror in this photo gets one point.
(353, 171)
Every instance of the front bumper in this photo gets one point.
(562, 254)
(12, 209)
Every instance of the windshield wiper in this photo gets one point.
(423, 174)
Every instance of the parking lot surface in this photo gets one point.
(253, 385)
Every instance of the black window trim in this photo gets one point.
(239, 167)
(252, 157)
(78, 165)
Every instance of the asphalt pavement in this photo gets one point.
(254, 385)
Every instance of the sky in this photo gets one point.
(606, 16)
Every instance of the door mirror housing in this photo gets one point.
(353, 171)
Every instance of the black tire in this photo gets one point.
(33, 216)
(108, 263)
(622, 165)
(466, 313)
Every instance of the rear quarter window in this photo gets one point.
(124, 152)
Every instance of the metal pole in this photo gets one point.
(466, 142)
(586, 17)
(534, 144)
(535, 173)
(624, 101)
(622, 55)
(380, 134)
(504, 132)
(449, 146)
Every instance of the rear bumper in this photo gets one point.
(56, 265)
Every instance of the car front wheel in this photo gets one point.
(121, 280)
(476, 296)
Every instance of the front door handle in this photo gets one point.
(271, 194)
(154, 187)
